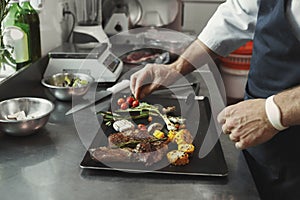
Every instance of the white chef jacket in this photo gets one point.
(234, 22)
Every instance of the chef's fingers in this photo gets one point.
(243, 144)
(148, 89)
(139, 80)
(221, 117)
(247, 141)
(226, 129)
(136, 92)
(132, 84)
(233, 138)
(238, 145)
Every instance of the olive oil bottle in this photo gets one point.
(16, 34)
(31, 18)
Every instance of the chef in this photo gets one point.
(266, 124)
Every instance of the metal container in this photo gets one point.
(172, 41)
(37, 111)
(54, 82)
(131, 9)
(88, 12)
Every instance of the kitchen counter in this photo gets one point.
(45, 166)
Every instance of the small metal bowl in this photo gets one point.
(65, 93)
(37, 111)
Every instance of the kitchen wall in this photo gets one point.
(196, 13)
(54, 26)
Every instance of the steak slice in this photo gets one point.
(151, 157)
(139, 56)
(127, 155)
(134, 146)
(135, 136)
(106, 154)
(114, 140)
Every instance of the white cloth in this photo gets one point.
(234, 22)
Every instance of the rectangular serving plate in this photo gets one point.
(213, 164)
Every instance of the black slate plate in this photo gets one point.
(198, 118)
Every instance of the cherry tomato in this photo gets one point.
(124, 106)
(120, 101)
(135, 103)
(130, 100)
(142, 127)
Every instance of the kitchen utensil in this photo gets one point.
(65, 93)
(171, 41)
(116, 88)
(177, 85)
(190, 101)
(88, 12)
(99, 62)
(102, 106)
(99, 95)
(129, 10)
(86, 103)
(176, 88)
(88, 30)
(36, 114)
(190, 98)
(157, 13)
(186, 98)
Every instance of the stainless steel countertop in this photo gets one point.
(45, 166)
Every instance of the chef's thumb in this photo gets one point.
(221, 117)
(132, 84)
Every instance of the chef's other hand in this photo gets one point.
(247, 123)
(150, 78)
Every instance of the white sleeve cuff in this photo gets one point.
(274, 114)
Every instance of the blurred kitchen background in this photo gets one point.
(97, 19)
(192, 16)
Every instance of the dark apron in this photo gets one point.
(275, 66)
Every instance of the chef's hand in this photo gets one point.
(247, 123)
(151, 77)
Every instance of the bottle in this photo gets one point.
(32, 19)
(15, 34)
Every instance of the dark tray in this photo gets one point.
(198, 117)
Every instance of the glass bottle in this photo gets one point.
(15, 34)
(7, 63)
(32, 19)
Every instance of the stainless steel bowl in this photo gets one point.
(37, 111)
(54, 82)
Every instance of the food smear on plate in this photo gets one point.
(146, 143)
